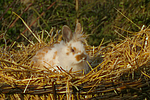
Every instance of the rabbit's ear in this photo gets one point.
(78, 29)
(66, 33)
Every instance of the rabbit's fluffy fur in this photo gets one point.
(69, 53)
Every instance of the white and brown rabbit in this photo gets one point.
(69, 53)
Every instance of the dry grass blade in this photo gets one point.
(28, 27)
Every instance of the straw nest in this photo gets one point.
(123, 73)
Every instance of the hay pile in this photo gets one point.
(123, 73)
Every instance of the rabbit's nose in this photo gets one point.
(81, 57)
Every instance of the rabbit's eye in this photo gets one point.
(72, 50)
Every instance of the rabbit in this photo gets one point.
(69, 54)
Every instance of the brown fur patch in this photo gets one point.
(75, 48)
(67, 53)
(46, 49)
(55, 54)
(40, 54)
(80, 57)
(68, 50)
(43, 51)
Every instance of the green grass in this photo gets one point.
(99, 18)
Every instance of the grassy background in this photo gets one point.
(99, 18)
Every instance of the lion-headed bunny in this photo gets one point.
(68, 54)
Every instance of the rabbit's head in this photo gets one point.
(73, 50)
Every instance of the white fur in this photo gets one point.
(70, 53)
